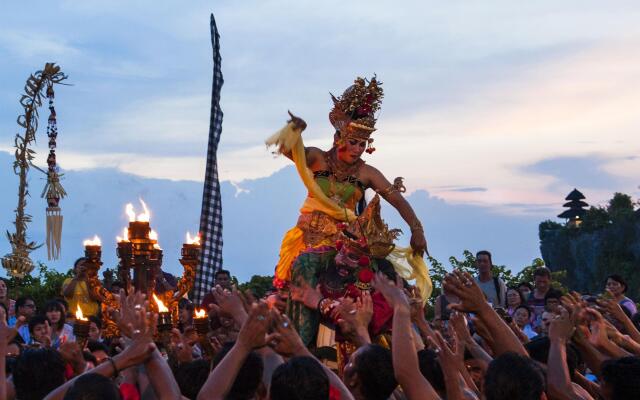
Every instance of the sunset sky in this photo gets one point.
(502, 104)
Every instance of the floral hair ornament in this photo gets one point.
(353, 113)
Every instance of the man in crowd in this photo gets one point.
(25, 310)
(541, 291)
(222, 279)
(493, 287)
(76, 291)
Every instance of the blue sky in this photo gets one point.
(498, 104)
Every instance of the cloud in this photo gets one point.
(30, 45)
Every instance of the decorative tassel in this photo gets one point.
(54, 232)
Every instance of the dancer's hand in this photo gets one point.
(297, 121)
(418, 243)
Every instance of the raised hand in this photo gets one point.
(393, 293)
(229, 302)
(297, 121)
(130, 307)
(253, 333)
(458, 322)
(285, 340)
(72, 354)
(354, 317)
(462, 285)
(562, 326)
(306, 295)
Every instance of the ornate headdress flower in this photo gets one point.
(353, 113)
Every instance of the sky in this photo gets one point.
(498, 104)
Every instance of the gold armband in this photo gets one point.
(397, 186)
(417, 226)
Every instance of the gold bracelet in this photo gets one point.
(397, 186)
(417, 226)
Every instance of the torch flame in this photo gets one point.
(153, 235)
(130, 213)
(146, 215)
(200, 313)
(93, 242)
(157, 246)
(125, 232)
(161, 306)
(79, 315)
(193, 240)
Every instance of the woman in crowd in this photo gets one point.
(514, 299)
(8, 302)
(60, 331)
(522, 318)
(617, 286)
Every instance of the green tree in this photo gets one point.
(259, 285)
(620, 207)
(45, 286)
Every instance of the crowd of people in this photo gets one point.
(484, 341)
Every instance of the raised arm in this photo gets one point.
(472, 300)
(393, 194)
(405, 359)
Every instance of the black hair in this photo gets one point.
(92, 345)
(542, 271)
(431, 370)
(485, 253)
(6, 311)
(522, 299)
(96, 320)
(191, 377)
(223, 271)
(621, 375)
(55, 305)
(300, 378)
(619, 279)
(538, 350)
(185, 304)
(78, 261)
(21, 301)
(525, 307)
(552, 294)
(37, 372)
(92, 386)
(513, 376)
(36, 320)
(374, 367)
(527, 284)
(249, 376)
(88, 357)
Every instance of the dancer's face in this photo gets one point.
(351, 150)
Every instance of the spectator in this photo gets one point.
(185, 314)
(514, 300)
(552, 301)
(60, 331)
(95, 329)
(40, 331)
(369, 373)
(99, 351)
(620, 378)
(617, 286)
(441, 309)
(536, 300)
(7, 301)
(512, 376)
(300, 378)
(38, 372)
(222, 279)
(522, 318)
(76, 291)
(525, 289)
(493, 287)
(93, 386)
(25, 310)
(191, 376)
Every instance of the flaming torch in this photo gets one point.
(201, 322)
(93, 248)
(81, 328)
(164, 316)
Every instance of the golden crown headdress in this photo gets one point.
(353, 113)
